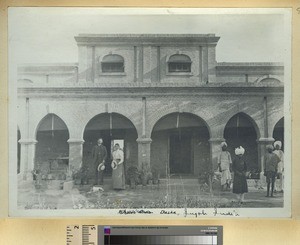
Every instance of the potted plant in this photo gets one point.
(132, 175)
(155, 175)
(36, 176)
(145, 174)
(80, 176)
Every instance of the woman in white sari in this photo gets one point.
(118, 174)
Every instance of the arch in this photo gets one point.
(179, 63)
(246, 115)
(113, 58)
(52, 135)
(180, 58)
(37, 122)
(110, 127)
(269, 79)
(167, 111)
(241, 130)
(180, 144)
(25, 80)
(134, 119)
(112, 63)
(278, 131)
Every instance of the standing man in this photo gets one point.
(270, 168)
(99, 155)
(224, 163)
(280, 154)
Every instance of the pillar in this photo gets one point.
(27, 157)
(75, 153)
(144, 151)
(215, 150)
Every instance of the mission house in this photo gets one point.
(164, 98)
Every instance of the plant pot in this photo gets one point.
(144, 181)
(132, 183)
(77, 181)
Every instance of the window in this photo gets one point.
(112, 63)
(179, 63)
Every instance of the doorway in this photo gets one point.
(180, 153)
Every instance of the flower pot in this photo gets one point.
(77, 181)
(132, 183)
(144, 181)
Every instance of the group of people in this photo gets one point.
(99, 156)
(273, 170)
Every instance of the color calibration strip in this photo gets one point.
(144, 235)
(162, 240)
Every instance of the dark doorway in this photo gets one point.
(240, 131)
(278, 132)
(180, 145)
(52, 136)
(180, 153)
(111, 127)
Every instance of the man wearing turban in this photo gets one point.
(239, 169)
(224, 163)
(271, 161)
(280, 172)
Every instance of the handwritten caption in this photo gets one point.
(185, 212)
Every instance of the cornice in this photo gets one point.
(146, 39)
(151, 91)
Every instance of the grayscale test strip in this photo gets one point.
(82, 235)
(144, 235)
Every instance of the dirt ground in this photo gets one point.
(152, 196)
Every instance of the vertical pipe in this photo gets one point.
(158, 64)
(93, 65)
(265, 117)
(200, 64)
(135, 63)
(144, 117)
(110, 124)
(141, 64)
(27, 137)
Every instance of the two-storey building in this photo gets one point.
(165, 97)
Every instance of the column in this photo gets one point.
(215, 150)
(27, 157)
(144, 151)
(75, 153)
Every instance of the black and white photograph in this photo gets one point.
(137, 112)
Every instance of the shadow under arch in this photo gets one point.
(111, 127)
(241, 130)
(52, 146)
(278, 132)
(180, 144)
